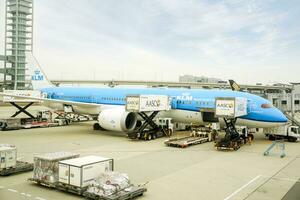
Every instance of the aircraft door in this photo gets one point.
(209, 117)
(174, 103)
(251, 106)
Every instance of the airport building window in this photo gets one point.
(283, 102)
(297, 102)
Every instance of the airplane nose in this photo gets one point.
(278, 116)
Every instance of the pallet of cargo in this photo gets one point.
(43, 183)
(185, 141)
(125, 194)
(18, 168)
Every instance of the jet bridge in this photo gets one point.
(229, 109)
(147, 107)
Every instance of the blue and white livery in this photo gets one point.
(188, 105)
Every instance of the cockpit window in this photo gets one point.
(266, 105)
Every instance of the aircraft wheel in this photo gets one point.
(96, 126)
(154, 136)
(251, 136)
(292, 139)
(149, 137)
(271, 137)
(3, 126)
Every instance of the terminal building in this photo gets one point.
(285, 100)
(199, 79)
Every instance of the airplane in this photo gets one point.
(188, 105)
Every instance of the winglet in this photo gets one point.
(234, 86)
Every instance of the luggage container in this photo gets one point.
(147, 103)
(45, 170)
(231, 107)
(79, 172)
(9, 164)
(8, 156)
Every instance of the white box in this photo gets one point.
(145, 103)
(8, 157)
(80, 172)
(231, 107)
(46, 165)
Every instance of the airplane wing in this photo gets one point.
(49, 101)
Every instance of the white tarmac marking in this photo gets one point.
(39, 198)
(12, 190)
(241, 188)
(287, 179)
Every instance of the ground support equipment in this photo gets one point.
(22, 109)
(143, 132)
(185, 141)
(280, 144)
(125, 194)
(19, 168)
(232, 140)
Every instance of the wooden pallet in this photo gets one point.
(136, 191)
(19, 168)
(185, 141)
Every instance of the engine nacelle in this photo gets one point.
(117, 119)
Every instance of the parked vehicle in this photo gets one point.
(287, 132)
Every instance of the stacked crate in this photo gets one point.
(8, 157)
(46, 166)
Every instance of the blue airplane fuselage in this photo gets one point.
(258, 108)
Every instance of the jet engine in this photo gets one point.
(117, 119)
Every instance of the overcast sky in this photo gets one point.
(249, 41)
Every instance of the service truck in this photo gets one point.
(287, 132)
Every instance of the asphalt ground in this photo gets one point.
(197, 172)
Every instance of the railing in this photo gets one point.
(292, 119)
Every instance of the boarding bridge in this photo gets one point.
(147, 107)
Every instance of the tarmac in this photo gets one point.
(196, 172)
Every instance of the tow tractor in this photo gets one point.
(147, 107)
(229, 109)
